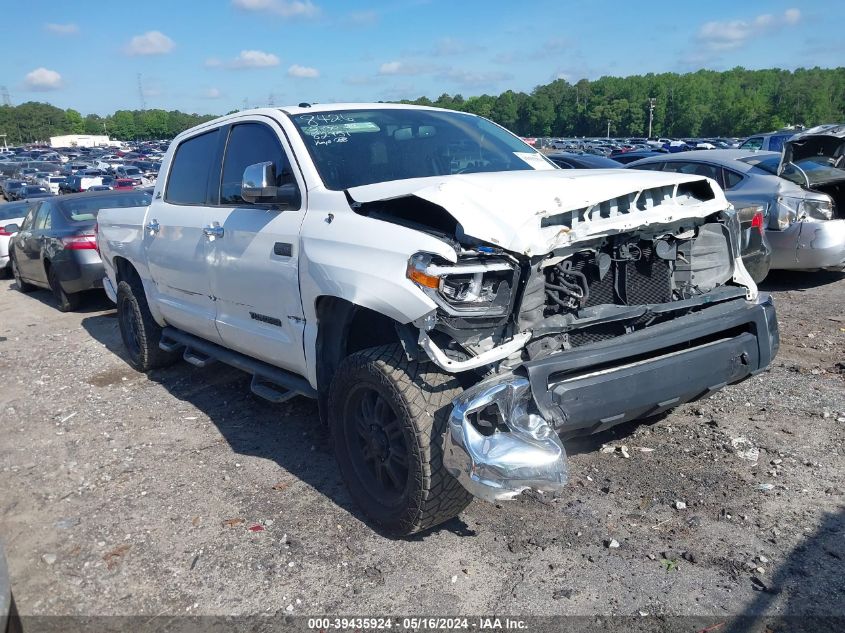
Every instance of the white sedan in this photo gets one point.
(12, 213)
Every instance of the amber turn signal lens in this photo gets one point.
(419, 277)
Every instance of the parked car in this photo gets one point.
(128, 171)
(771, 142)
(630, 157)
(11, 188)
(55, 246)
(54, 183)
(569, 160)
(78, 183)
(804, 206)
(455, 304)
(30, 192)
(11, 216)
(125, 183)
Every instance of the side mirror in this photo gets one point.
(259, 181)
(11, 228)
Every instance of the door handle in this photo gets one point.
(153, 227)
(214, 231)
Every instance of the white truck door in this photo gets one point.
(175, 242)
(255, 259)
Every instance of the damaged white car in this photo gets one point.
(457, 305)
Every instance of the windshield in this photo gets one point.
(812, 170)
(360, 147)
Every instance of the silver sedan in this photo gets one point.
(802, 197)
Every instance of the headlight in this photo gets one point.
(474, 287)
(788, 210)
(818, 209)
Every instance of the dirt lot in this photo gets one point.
(180, 492)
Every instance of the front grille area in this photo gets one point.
(627, 273)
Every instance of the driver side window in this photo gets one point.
(251, 143)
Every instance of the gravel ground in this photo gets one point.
(179, 492)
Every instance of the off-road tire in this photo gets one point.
(66, 301)
(420, 396)
(20, 284)
(138, 329)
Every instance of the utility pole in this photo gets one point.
(608, 128)
(651, 102)
(141, 92)
(7, 100)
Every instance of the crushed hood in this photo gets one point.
(823, 140)
(534, 212)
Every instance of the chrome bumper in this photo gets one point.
(501, 465)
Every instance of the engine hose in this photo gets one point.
(552, 296)
(584, 284)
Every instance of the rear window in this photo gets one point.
(188, 179)
(84, 210)
(12, 211)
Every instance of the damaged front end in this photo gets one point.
(497, 448)
(598, 313)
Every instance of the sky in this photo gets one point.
(213, 56)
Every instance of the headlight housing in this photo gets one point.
(474, 287)
(788, 210)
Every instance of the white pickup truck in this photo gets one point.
(457, 305)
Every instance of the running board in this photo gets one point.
(197, 359)
(268, 382)
(265, 388)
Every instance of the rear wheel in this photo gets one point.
(141, 334)
(67, 301)
(20, 284)
(387, 417)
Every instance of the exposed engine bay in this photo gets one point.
(589, 292)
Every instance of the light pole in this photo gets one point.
(650, 114)
(608, 128)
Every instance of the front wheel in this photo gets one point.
(387, 417)
(20, 284)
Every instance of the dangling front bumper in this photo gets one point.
(503, 434)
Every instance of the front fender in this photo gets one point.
(363, 261)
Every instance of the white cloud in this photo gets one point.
(303, 72)
(792, 16)
(62, 29)
(212, 93)
(403, 68)
(42, 79)
(245, 59)
(282, 8)
(150, 43)
(726, 35)
(254, 59)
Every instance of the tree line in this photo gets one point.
(33, 121)
(707, 103)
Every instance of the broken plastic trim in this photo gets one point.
(501, 465)
(485, 358)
